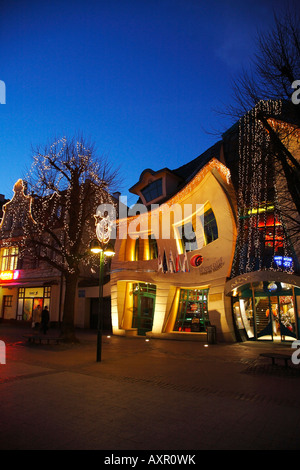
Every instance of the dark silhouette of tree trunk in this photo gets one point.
(67, 328)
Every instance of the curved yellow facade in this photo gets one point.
(142, 291)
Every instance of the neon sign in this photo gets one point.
(9, 275)
(284, 261)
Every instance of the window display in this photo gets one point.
(192, 313)
(30, 300)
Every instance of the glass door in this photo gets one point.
(145, 314)
(263, 320)
(275, 318)
(143, 307)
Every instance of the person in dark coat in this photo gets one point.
(45, 319)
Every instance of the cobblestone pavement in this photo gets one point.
(146, 395)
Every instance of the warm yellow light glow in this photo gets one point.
(95, 247)
(96, 250)
(260, 210)
(109, 251)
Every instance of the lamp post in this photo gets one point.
(104, 249)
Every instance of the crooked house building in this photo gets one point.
(218, 244)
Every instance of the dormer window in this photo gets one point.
(154, 187)
(153, 190)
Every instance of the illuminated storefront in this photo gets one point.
(21, 301)
(32, 299)
(22, 293)
(266, 310)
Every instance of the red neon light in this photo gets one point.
(9, 275)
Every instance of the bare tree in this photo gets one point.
(273, 69)
(67, 182)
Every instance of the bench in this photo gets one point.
(42, 339)
(274, 356)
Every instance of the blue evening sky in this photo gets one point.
(140, 78)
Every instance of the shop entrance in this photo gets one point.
(267, 311)
(275, 318)
(31, 302)
(33, 309)
(143, 307)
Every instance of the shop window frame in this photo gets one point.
(188, 318)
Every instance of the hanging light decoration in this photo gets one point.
(257, 195)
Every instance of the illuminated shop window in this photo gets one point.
(270, 230)
(9, 258)
(192, 313)
(21, 292)
(153, 190)
(47, 292)
(262, 241)
(31, 301)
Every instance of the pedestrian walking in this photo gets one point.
(36, 317)
(45, 320)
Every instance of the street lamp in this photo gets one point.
(103, 249)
